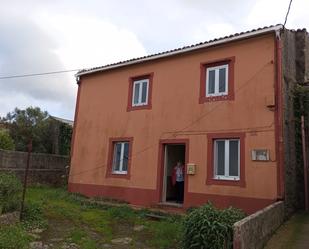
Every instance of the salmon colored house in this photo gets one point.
(216, 106)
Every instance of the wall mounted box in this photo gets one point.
(260, 155)
(191, 168)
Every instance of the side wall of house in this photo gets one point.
(295, 71)
(177, 115)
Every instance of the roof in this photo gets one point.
(62, 120)
(210, 43)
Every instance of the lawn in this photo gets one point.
(55, 219)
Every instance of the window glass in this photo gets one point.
(211, 81)
(234, 160)
(136, 93)
(144, 91)
(222, 80)
(125, 157)
(220, 157)
(117, 155)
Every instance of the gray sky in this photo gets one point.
(50, 35)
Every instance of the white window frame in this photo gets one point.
(120, 171)
(140, 82)
(226, 175)
(217, 68)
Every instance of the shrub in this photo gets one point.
(210, 228)
(10, 192)
(6, 141)
(33, 216)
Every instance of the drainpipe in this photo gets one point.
(303, 138)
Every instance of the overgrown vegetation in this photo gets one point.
(48, 135)
(72, 218)
(6, 141)
(210, 228)
(10, 192)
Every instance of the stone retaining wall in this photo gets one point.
(44, 168)
(255, 230)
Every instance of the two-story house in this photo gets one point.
(217, 107)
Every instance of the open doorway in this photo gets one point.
(173, 153)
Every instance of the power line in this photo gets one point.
(37, 74)
(287, 13)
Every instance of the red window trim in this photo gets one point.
(210, 159)
(203, 67)
(109, 171)
(148, 76)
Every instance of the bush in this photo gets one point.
(6, 141)
(10, 192)
(210, 228)
(33, 216)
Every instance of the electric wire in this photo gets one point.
(287, 13)
(37, 74)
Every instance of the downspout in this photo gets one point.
(278, 117)
(303, 138)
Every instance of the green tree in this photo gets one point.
(31, 123)
(6, 141)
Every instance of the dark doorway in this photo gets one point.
(172, 154)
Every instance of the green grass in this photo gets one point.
(12, 237)
(91, 224)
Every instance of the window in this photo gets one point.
(217, 80)
(226, 159)
(140, 91)
(121, 157)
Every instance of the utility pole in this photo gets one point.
(25, 179)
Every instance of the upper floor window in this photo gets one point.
(217, 80)
(140, 91)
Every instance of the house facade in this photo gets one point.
(218, 107)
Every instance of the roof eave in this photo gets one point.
(185, 50)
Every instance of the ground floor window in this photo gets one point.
(226, 159)
(120, 157)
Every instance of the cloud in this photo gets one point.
(51, 35)
(43, 42)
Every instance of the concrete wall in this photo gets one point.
(255, 230)
(177, 114)
(44, 168)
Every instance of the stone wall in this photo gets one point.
(44, 168)
(255, 230)
(295, 67)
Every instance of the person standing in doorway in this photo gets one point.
(178, 176)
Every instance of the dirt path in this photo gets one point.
(294, 234)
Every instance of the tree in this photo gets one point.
(6, 141)
(27, 124)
